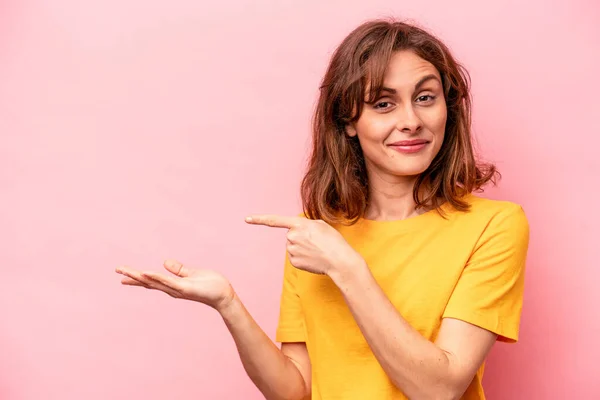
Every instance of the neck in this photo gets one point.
(391, 200)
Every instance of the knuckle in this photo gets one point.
(291, 249)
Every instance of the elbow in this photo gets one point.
(453, 389)
(441, 383)
(441, 391)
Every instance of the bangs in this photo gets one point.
(374, 66)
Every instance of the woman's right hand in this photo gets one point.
(205, 286)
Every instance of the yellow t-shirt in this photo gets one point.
(469, 266)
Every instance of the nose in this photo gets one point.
(408, 121)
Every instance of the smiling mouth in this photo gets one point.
(409, 146)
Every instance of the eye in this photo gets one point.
(382, 105)
(427, 98)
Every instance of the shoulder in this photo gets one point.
(487, 217)
(493, 210)
(497, 217)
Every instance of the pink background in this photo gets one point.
(135, 131)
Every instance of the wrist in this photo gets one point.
(348, 272)
(226, 307)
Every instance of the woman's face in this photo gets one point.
(401, 133)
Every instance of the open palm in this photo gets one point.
(205, 286)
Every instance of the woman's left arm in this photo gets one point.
(486, 304)
(420, 368)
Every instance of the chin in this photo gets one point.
(409, 173)
(411, 170)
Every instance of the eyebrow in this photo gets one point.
(417, 86)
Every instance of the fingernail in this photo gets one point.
(248, 219)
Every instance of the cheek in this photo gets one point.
(437, 126)
(374, 128)
(435, 121)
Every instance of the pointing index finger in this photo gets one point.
(275, 221)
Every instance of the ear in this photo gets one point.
(350, 130)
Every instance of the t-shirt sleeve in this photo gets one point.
(489, 293)
(291, 327)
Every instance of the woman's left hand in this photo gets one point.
(313, 245)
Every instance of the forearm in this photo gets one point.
(416, 366)
(274, 374)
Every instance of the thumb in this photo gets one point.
(175, 267)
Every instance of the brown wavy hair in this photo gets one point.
(335, 186)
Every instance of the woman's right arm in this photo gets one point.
(279, 374)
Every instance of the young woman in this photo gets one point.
(398, 280)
